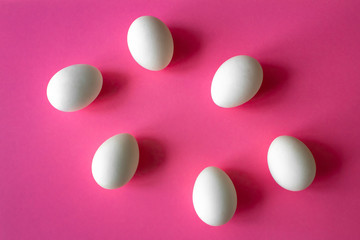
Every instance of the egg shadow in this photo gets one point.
(328, 159)
(187, 44)
(249, 192)
(152, 156)
(275, 79)
(113, 83)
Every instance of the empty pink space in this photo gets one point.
(310, 54)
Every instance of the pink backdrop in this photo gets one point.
(310, 53)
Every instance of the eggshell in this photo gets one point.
(236, 81)
(116, 160)
(150, 43)
(291, 163)
(74, 87)
(214, 196)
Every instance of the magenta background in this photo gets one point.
(310, 55)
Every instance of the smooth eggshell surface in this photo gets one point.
(150, 43)
(74, 87)
(236, 81)
(116, 160)
(291, 163)
(214, 196)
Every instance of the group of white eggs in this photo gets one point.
(237, 80)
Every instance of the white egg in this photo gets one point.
(150, 43)
(74, 87)
(214, 196)
(116, 160)
(291, 163)
(236, 81)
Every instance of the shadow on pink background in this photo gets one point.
(310, 56)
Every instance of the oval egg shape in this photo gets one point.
(236, 81)
(150, 43)
(291, 163)
(214, 196)
(116, 160)
(74, 87)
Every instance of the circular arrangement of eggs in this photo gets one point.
(237, 80)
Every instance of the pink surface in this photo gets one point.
(310, 56)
